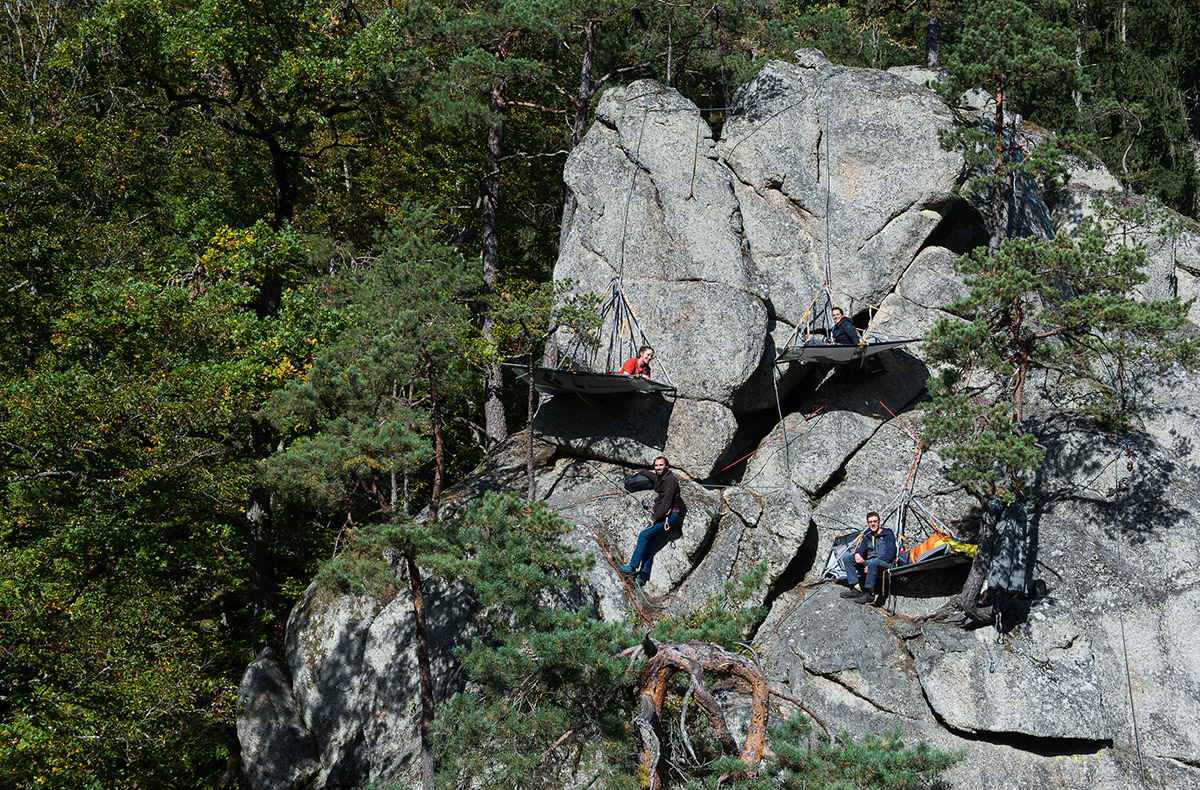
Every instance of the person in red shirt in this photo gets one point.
(639, 365)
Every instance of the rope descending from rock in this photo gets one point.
(664, 661)
(1137, 740)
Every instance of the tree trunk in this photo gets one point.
(529, 439)
(583, 99)
(423, 668)
(258, 524)
(694, 659)
(932, 27)
(999, 205)
(493, 407)
(1076, 93)
(439, 443)
(286, 170)
(968, 599)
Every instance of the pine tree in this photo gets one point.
(1009, 50)
(375, 401)
(1064, 305)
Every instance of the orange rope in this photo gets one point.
(607, 556)
(773, 438)
(915, 438)
(912, 467)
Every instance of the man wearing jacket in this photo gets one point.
(874, 551)
(843, 332)
(665, 517)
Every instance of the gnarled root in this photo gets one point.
(695, 659)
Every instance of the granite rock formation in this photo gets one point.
(720, 244)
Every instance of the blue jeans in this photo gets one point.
(653, 538)
(872, 566)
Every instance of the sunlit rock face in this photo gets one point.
(721, 244)
(721, 241)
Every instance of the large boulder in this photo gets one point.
(834, 423)
(277, 749)
(819, 163)
(846, 168)
(1058, 684)
(353, 701)
(720, 246)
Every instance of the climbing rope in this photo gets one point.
(608, 556)
(1120, 612)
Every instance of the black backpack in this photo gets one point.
(638, 483)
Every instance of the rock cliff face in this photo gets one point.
(721, 244)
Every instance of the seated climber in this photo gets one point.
(843, 332)
(874, 551)
(639, 365)
(666, 515)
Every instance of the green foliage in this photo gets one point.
(805, 762)
(1012, 52)
(866, 33)
(527, 314)
(103, 678)
(1010, 47)
(724, 619)
(289, 77)
(362, 414)
(547, 668)
(124, 483)
(1065, 306)
(1134, 110)
(869, 763)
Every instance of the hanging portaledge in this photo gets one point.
(835, 354)
(578, 374)
(808, 341)
(560, 381)
(929, 544)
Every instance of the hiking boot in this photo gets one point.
(866, 597)
(850, 592)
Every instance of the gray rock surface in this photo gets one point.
(718, 269)
(277, 750)
(634, 429)
(854, 154)
(354, 677)
(834, 424)
(721, 245)
(1044, 683)
(1166, 411)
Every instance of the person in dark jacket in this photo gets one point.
(874, 551)
(844, 332)
(665, 516)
